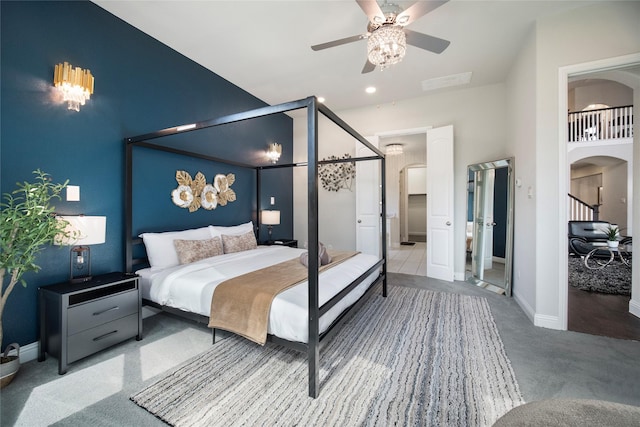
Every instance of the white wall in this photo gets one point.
(478, 116)
(521, 144)
(563, 40)
(614, 207)
(634, 204)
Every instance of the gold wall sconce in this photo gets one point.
(274, 152)
(75, 84)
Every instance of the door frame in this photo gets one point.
(564, 176)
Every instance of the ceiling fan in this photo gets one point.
(386, 35)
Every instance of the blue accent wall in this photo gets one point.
(500, 197)
(141, 86)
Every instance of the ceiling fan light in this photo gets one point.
(386, 46)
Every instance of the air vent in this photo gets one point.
(446, 81)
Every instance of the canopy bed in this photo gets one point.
(315, 305)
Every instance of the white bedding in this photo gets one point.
(190, 287)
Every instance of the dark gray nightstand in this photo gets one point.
(79, 319)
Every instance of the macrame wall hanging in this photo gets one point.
(193, 193)
(336, 176)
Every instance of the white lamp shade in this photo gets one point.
(83, 230)
(270, 217)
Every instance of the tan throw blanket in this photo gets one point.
(242, 304)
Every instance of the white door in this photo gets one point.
(368, 199)
(440, 203)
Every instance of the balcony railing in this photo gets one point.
(595, 125)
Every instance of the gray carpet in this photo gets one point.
(415, 358)
(615, 278)
(571, 413)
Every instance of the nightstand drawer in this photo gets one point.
(94, 313)
(92, 340)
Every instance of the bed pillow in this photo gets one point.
(234, 230)
(242, 242)
(160, 249)
(194, 250)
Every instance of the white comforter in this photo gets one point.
(190, 287)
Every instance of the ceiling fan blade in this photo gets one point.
(339, 42)
(426, 42)
(372, 10)
(418, 10)
(368, 67)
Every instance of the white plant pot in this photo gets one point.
(613, 243)
(9, 369)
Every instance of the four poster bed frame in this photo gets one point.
(313, 107)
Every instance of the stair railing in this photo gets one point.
(582, 211)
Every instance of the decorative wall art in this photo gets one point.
(335, 176)
(193, 193)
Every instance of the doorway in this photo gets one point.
(625, 70)
(405, 150)
(413, 204)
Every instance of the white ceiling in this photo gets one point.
(264, 46)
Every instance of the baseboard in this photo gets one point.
(526, 308)
(28, 352)
(546, 321)
(634, 307)
(542, 320)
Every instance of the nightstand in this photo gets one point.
(282, 242)
(80, 319)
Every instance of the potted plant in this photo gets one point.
(612, 233)
(27, 223)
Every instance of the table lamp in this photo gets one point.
(270, 218)
(82, 231)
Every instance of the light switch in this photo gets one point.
(73, 193)
(273, 200)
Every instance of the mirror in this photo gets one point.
(490, 225)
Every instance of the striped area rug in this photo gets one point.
(414, 358)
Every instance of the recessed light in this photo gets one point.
(370, 89)
(321, 99)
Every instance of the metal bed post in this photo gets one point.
(312, 222)
(128, 208)
(258, 192)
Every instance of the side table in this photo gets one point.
(79, 319)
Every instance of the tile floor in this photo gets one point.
(408, 259)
